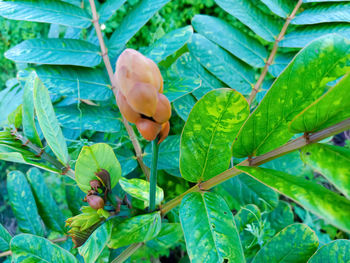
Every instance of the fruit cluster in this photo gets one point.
(139, 95)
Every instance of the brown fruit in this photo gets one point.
(163, 110)
(95, 201)
(143, 98)
(126, 110)
(148, 129)
(164, 132)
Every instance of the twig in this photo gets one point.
(108, 66)
(273, 53)
(127, 253)
(45, 156)
(57, 240)
(283, 150)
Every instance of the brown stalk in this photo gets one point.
(273, 53)
(105, 57)
(283, 150)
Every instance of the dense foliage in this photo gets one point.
(252, 170)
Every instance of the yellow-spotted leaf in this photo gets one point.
(209, 229)
(300, 84)
(331, 108)
(212, 124)
(333, 162)
(328, 205)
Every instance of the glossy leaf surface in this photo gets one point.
(23, 204)
(205, 141)
(333, 162)
(5, 238)
(136, 229)
(301, 83)
(139, 189)
(336, 251)
(332, 207)
(209, 229)
(48, 122)
(56, 52)
(295, 243)
(38, 249)
(329, 109)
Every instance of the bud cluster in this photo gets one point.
(139, 97)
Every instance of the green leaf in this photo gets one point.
(127, 160)
(48, 122)
(289, 163)
(85, 117)
(323, 13)
(48, 209)
(244, 190)
(168, 153)
(223, 65)
(18, 157)
(168, 237)
(296, 243)
(39, 249)
(93, 158)
(28, 122)
(302, 36)
(245, 10)
(139, 189)
(187, 65)
(336, 251)
(48, 11)
(96, 244)
(23, 204)
(280, 62)
(231, 39)
(332, 207)
(331, 161)
(213, 123)
(326, 110)
(133, 22)
(108, 8)
(184, 105)
(209, 229)
(77, 82)
(282, 8)
(176, 87)
(56, 51)
(301, 83)
(140, 228)
(15, 117)
(281, 216)
(169, 44)
(5, 239)
(10, 99)
(74, 197)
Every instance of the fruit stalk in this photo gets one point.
(153, 177)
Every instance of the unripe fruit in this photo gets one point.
(126, 110)
(163, 110)
(133, 67)
(95, 201)
(164, 132)
(143, 98)
(148, 129)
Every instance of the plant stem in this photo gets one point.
(107, 62)
(153, 178)
(283, 150)
(127, 253)
(273, 53)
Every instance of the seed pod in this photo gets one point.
(164, 132)
(95, 201)
(126, 110)
(143, 99)
(148, 129)
(133, 67)
(163, 110)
